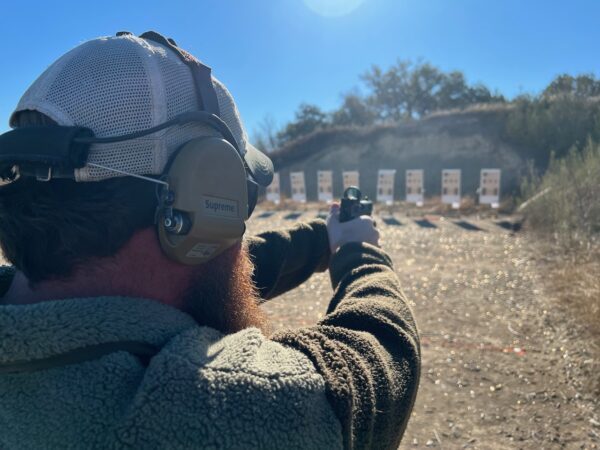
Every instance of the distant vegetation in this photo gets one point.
(566, 215)
(565, 114)
(568, 209)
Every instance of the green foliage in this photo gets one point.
(583, 86)
(407, 90)
(354, 111)
(568, 210)
(403, 91)
(308, 119)
(544, 125)
(390, 96)
(564, 115)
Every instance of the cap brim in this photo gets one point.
(260, 165)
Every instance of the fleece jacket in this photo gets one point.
(117, 372)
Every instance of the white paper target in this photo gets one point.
(451, 187)
(351, 178)
(385, 186)
(414, 186)
(325, 185)
(273, 190)
(489, 187)
(298, 187)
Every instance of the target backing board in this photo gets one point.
(414, 186)
(451, 187)
(385, 186)
(351, 178)
(298, 187)
(273, 190)
(325, 185)
(489, 187)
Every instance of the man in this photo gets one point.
(106, 342)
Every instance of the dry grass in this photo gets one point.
(476, 108)
(566, 220)
(577, 282)
(565, 212)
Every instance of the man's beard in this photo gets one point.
(222, 294)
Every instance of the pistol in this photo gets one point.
(354, 205)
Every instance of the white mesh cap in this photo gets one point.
(124, 84)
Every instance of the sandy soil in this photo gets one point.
(504, 367)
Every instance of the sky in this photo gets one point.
(275, 54)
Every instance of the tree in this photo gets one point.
(354, 111)
(453, 92)
(265, 138)
(562, 84)
(585, 85)
(481, 94)
(308, 119)
(390, 91)
(408, 91)
(426, 82)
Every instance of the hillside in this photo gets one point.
(469, 140)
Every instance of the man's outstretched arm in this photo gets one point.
(366, 348)
(285, 259)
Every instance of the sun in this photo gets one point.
(333, 8)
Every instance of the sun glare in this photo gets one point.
(333, 8)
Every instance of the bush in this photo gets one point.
(566, 214)
(542, 126)
(567, 208)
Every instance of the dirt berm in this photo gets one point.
(468, 140)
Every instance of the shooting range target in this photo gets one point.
(415, 192)
(489, 187)
(451, 187)
(351, 178)
(385, 186)
(325, 185)
(298, 187)
(273, 190)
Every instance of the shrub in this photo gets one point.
(569, 209)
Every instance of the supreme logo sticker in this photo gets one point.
(219, 207)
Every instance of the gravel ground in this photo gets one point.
(503, 367)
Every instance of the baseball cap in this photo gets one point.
(126, 84)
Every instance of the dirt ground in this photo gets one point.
(504, 367)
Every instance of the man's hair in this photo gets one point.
(48, 228)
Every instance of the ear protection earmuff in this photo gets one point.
(207, 191)
(204, 208)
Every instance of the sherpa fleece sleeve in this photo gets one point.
(286, 258)
(366, 348)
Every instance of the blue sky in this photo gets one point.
(275, 54)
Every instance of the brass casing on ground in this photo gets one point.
(208, 179)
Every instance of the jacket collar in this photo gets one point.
(45, 329)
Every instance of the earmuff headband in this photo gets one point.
(203, 117)
(60, 150)
(201, 73)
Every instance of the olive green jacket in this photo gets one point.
(116, 372)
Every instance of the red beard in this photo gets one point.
(223, 296)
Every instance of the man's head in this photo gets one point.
(50, 230)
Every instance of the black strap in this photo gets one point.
(50, 145)
(207, 97)
(142, 350)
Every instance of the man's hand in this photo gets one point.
(361, 229)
